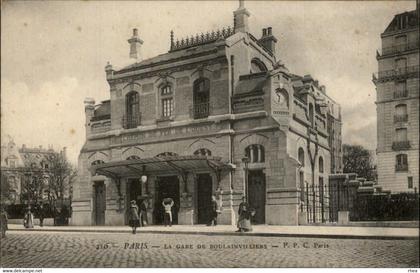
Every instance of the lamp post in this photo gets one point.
(245, 160)
(143, 179)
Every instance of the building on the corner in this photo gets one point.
(216, 115)
(397, 104)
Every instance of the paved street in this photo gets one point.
(60, 249)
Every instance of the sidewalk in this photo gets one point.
(384, 233)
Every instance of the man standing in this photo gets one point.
(213, 211)
(41, 215)
(167, 203)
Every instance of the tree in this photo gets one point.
(54, 177)
(61, 175)
(357, 159)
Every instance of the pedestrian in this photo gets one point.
(167, 203)
(41, 215)
(3, 222)
(28, 220)
(134, 219)
(213, 211)
(143, 212)
(244, 222)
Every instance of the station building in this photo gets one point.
(217, 114)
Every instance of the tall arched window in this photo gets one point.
(203, 151)
(255, 153)
(257, 66)
(133, 157)
(132, 114)
(311, 114)
(301, 157)
(201, 98)
(321, 164)
(166, 96)
(97, 162)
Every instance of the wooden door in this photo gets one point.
(99, 203)
(204, 191)
(257, 195)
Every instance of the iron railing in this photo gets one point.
(398, 48)
(402, 71)
(401, 145)
(201, 110)
(131, 121)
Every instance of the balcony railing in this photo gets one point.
(131, 121)
(201, 110)
(399, 48)
(400, 94)
(401, 145)
(402, 71)
(401, 118)
(401, 168)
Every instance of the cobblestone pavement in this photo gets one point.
(60, 249)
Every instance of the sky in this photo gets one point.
(53, 55)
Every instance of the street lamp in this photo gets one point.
(143, 179)
(245, 160)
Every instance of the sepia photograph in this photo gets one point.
(209, 134)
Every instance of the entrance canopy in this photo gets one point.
(160, 165)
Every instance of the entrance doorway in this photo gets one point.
(204, 191)
(133, 193)
(99, 203)
(166, 186)
(257, 195)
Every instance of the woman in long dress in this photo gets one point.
(28, 218)
(244, 222)
(134, 219)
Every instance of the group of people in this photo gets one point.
(138, 216)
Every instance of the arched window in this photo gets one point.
(257, 66)
(133, 157)
(167, 154)
(201, 98)
(301, 157)
(132, 117)
(321, 164)
(311, 114)
(204, 152)
(167, 100)
(97, 162)
(255, 153)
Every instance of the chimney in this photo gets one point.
(268, 40)
(109, 71)
(135, 45)
(240, 18)
(65, 152)
(89, 112)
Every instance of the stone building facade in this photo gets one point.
(397, 86)
(216, 115)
